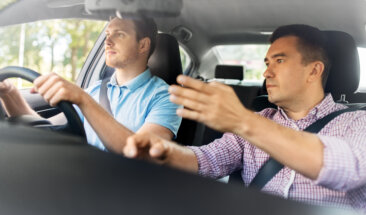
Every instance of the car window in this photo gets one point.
(6, 3)
(362, 55)
(186, 60)
(59, 46)
(250, 56)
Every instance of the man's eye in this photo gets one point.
(121, 34)
(280, 60)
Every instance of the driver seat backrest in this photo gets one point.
(344, 75)
(165, 63)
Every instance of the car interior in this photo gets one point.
(56, 173)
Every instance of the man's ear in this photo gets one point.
(144, 45)
(317, 69)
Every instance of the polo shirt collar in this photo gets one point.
(133, 84)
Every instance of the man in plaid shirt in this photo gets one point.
(327, 168)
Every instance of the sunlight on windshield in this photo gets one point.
(59, 46)
(5, 3)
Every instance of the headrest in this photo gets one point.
(229, 72)
(165, 61)
(344, 75)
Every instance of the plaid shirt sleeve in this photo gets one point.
(344, 163)
(221, 157)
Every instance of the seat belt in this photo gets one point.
(271, 167)
(103, 97)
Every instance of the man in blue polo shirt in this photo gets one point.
(139, 102)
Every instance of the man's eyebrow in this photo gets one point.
(276, 55)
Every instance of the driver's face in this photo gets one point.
(121, 45)
(285, 74)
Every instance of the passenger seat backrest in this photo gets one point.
(165, 61)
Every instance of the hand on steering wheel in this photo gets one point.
(74, 124)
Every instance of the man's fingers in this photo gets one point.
(133, 144)
(157, 150)
(45, 85)
(190, 114)
(188, 93)
(188, 103)
(194, 84)
(41, 79)
(57, 97)
(52, 91)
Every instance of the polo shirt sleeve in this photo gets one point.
(163, 111)
(344, 163)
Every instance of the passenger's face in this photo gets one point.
(121, 45)
(285, 74)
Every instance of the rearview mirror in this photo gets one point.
(132, 8)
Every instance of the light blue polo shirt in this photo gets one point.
(144, 99)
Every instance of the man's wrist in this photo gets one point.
(242, 127)
(84, 99)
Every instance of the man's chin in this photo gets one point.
(272, 99)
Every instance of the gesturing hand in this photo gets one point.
(147, 146)
(213, 104)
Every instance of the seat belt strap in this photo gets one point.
(271, 167)
(103, 97)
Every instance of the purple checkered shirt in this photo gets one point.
(342, 180)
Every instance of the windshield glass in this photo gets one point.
(5, 3)
(59, 46)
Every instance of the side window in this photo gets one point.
(59, 46)
(186, 60)
(362, 55)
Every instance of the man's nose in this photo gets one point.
(268, 73)
(108, 42)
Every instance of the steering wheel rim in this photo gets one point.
(74, 124)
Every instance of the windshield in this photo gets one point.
(59, 46)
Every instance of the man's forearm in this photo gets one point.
(15, 104)
(112, 133)
(183, 158)
(301, 151)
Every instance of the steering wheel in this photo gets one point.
(74, 125)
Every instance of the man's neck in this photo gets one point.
(301, 108)
(123, 75)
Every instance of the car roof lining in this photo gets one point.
(214, 22)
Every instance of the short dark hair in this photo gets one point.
(146, 27)
(311, 44)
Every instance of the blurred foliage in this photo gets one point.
(5, 3)
(60, 46)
